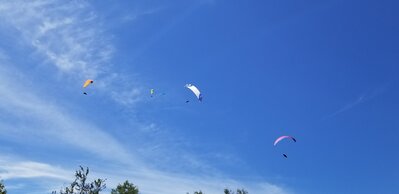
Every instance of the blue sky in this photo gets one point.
(323, 72)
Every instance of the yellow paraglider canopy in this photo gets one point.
(87, 82)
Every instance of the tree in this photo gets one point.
(2, 188)
(242, 191)
(228, 191)
(239, 191)
(196, 192)
(125, 188)
(79, 186)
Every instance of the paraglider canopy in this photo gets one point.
(195, 90)
(87, 82)
(283, 137)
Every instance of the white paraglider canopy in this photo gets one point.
(195, 90)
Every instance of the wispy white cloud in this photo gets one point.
(348, 106)
(11, 168)
(38, 177)
(64, 33)
(139, 14)
(365, 97)
(50, 120)
(70, 37)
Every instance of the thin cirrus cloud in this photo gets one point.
(68, 36)
(12, 168)
(79, 49)
(70, 43)
(51, 121)
(365, 97)
(37, 177)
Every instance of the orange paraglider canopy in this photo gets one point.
(87, 82)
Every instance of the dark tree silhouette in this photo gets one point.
(125, 188)
(80, 185)
(2, 188)
(239, 191)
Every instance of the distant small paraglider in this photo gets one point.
(281, 138)
(195, 90)
(87, 83)
(152, 92)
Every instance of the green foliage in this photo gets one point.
(239, 191)
(80, 185)
(125, 188)
(196, 192)
(242, 191)
(2, 188)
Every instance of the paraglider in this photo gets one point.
(279, 139)
(87, 83)
(152, 91)
(195, 90)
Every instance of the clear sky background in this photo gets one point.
(324, 72)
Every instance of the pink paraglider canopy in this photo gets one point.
(283, 137)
